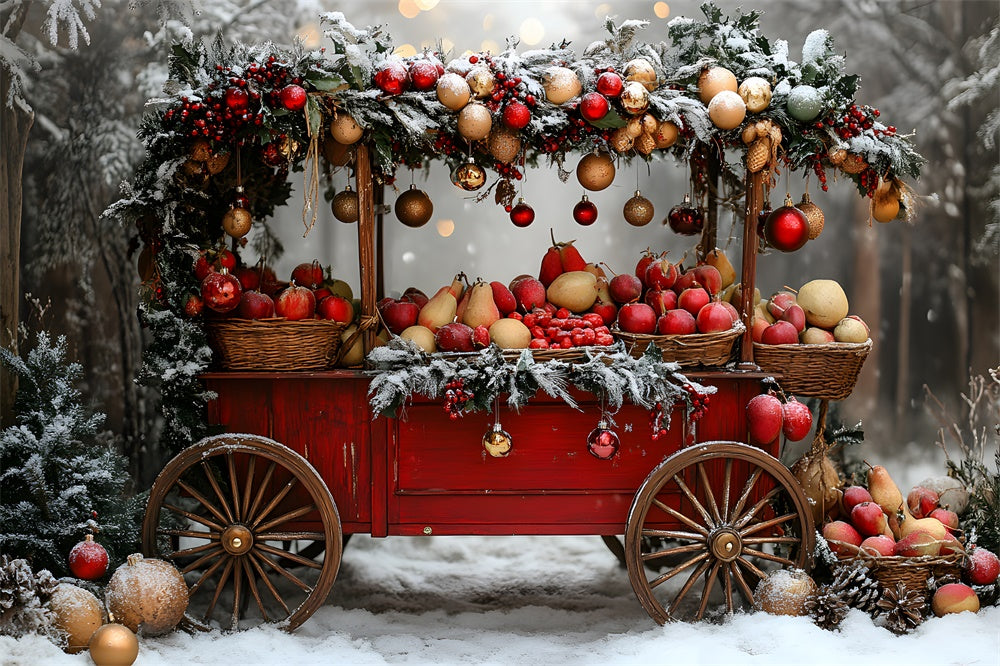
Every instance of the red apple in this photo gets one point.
(868, 518)
(295, 303)
(661, 300)
(676, 322)
(764, 419)
(400, 315)
(693, 299)
(708, 277)
(685, 280)
(503, 298)
(255, 305)
(879, 545)
(854, 495)
(779, 302)
(454, 337)
(780, 333)
(954, 598)
(415, 295)
(209, 261)
(637, 318)
(338, 308)
(713, 318)
(308, 275)
(249, 277)
(842, 538)
(796, 316)
(921, 501)
(982, 567)
(660, 274)
(947, 517)
(529, 293)
(640, 268)
(608, 312)
(625, 288)
(796, 420)
(731, 309)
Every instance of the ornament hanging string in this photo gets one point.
(311, 177)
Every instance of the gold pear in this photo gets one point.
(482, 309)
(721, 262)
(439, 310)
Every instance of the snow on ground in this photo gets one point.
(532, 600)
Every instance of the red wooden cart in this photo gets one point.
(257, 518)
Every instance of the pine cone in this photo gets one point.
(902, 608)
(827, 608)
(856, 588)
(758, 154)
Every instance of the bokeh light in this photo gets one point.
(310, 36)
(489, 46)
(661, 9)
(488, 22)
(532, 31)
(408, 8)
(426, 5)
(602, 10)
(445, 228)
(405, 50)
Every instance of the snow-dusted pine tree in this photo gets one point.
(61, 477)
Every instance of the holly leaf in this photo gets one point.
(326, 81)
(610, 121)
(313, 115)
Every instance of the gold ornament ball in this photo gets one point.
(561, 84)
(345, 205)
(497, 442)
(475, 122)
(727, 110)
(345, 130)
(621, 140)
(641, 71)
(216, 163)
(77, 613)
(634, 98)
(504, 144)
(813, 214)
(666, 134)
(885, 208)
(756, 93)
(481, 81)
(638, 210)
(595, 171)
(237, 222)
(469, 176)
(784, 592)
(114, 645)
(713, 81)
(414, 208)
(147, 593)
(453, 91)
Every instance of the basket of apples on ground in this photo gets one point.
(914, 541)
(255, 322)
(809, 338)
(680, 311)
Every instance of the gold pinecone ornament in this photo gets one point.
(902, 608)
(758, 154)
(813, 214)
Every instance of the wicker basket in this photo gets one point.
(687, 350)
(914, 572)
(827, 371)
(275, 344)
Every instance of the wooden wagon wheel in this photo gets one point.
(711, 519)
(229, 511)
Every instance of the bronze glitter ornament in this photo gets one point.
(345, 205)
(414, 208)
(638, 210)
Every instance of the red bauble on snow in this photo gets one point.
(423, 75)
(522, 214)
(594, 106)
(88, 559)
(221, 291)
(787, 228)
(516, 115)
(293, 97)
(602, 442)
(685, 219)
(610, 84)
(585, 212)
(237, 99)
(392, 78)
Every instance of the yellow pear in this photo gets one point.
(574, 290)
(721, 262)
(439, 310)
(482, 309)
(421, 336)
(510, 334)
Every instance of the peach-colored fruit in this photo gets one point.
(879, 545)
(921, 501)
(843, 539)
(917, 544)
(813, 335)
(954, 598)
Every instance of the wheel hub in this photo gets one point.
(237, 540)
(726, 544)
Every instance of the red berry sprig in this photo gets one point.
(455, 397)
(656, 421)
(698, 402)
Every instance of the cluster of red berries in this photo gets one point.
(508, 170)
(656, 421)
(562, 329)
(819, 170)
(869, 180)
(573, 133)
(449, 145)
(698, 402)
(455, 397)
(856, 120)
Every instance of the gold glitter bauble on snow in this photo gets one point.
(504, 144)
(453, 91)
(634, 98)
(813, 214)
(413, 207)
(469, 176)
(475, 122)
(561, 85)
(147, 593)
(756, 93)
(497, 442)
(784, 592)
(727, 110)
(641, 71)
(345, 205)
(638, 210)
(114, 645)
(481, 81)
(595, 171)
(78, 614)
(344, 129)
(237, 222)
(713, 81)
(666, 134)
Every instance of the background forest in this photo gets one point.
(76, 74)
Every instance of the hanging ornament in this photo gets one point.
(392, 78)
(270, 153)
(602, 442)
(804, 103)
(666, 134)
(468, 176)
(786, 228)
(727, 110)
(335, 152)
(634, 98)
(453, 91)
(516, 115)
(344, 129)
(595, 171)
(685, 219)
(88, 559)
(77, 613)
(423, 74)
(594, 106)
(638, 210)
(522, 214)
(645, 144)
(714, 80)
(504, 144)
(345, 205)
(561, 85)
(621, 140)
(221, 291)
(475, 122)
(237, 100)
(610, 84)
(813, 214)
(114, 645)
(147, 593)
(585, 212)
(885, 207)
(237, 220)
(481, 81)
(756, 93)
(293, 97)
(414, 208)
(641, 71)
(497, 441)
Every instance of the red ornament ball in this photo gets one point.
(424, 75)
(602, 442)
(522, 214)
(594, 106)
(585, 212)
(237, 99)
(221, 291)
(516, 115)
(271, 155)
(786, 229)
(392, 78)
(88, 559)
(293, 97)
(610, 84)
(685, 219)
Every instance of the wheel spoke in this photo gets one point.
(264, 483)
(204, 502)
(757, 527)
(764, 501)
(252, 584)
(195, 517)
(245, 507)
(709, 493)
(177, 554)
(681, 517)
(745, 495)
(211, 555)
(191, 534)
(771, 558)
(205, 575)
(657, 554)
(751, 567)
(287, 517)
(290, 536)
(298, 559)
(267, 581)
(673, 534)
(725, 488)
(694, 501)
(707, 591)
(234, 486)
(760, 540)
(218, 491)
(673, 572)
(223, 579)
(729, 588)
(284, 572)
(747, 592)
(266, 511)
(687, 585)
(237, 590)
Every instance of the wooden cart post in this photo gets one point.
(366, 241)
(749, 268)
